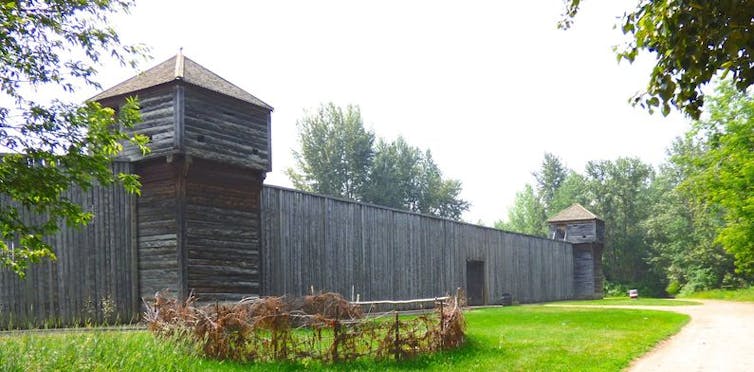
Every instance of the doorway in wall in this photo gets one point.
(475, 282)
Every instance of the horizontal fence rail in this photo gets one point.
(400, 302)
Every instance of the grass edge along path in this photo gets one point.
(739, 295)
(625, 301)
(519, 338)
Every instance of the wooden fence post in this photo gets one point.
(442, 326)
(397, 343)
(336, 334)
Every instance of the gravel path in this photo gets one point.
(719, 337)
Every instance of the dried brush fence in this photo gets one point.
(323, 327)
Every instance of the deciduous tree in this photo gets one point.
(339, 157)
(574, 189)
(51, 146)
(681, 231)
(336, 152)
(692, 42)
(722, 175)
(620, 192)
(550, 178)
(527, 216)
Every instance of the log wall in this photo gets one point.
(134, 248)
(158, 108)
(347, 247)
(158, 234)
(222, 231)
(224, 129)
(92, 279)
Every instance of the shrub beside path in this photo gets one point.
(719, 337)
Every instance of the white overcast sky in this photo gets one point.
(488, 86)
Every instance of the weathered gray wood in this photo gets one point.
(336, 245)
(157, 227)
(305, 241)
(179, 117)
(157, 108)
(225, 129)
(221, 232)
(92, 270)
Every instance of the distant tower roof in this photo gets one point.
(575, 212)
(180, 68)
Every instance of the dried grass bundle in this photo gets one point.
(331, 305)
(168, 316)
(224, 331)
(262, 329)
(452, 331)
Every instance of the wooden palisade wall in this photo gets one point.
(307, 240)
(379, 253)
(204, 223)
(93, 277)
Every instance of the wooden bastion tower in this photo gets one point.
(586, 232)
(205, 224)
(198, 216)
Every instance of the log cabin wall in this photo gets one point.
(222, 230)
(198, 226)
(157, 224)
(158, 111)
(584, 278)
(225, 129)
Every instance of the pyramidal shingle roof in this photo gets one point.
(575, 212)
(180, 68)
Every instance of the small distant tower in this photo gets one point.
(198, 219)
(586, 232)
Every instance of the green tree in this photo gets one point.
(404, 177)
(50, 146)
(556, 188)
(550, 178)
(527, 216)
(339, 157)
(336, 152)
(573, 189)
(722, 175)
(395, 175)
(439, 196)
(620, 192)
(692, 41)
(681, 231)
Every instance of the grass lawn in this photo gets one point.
(745, 294)
(520, 338)
(622, 301)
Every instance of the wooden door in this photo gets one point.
(475, 282)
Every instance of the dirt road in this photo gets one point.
(719, 337)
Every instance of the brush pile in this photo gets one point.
(323, 327)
